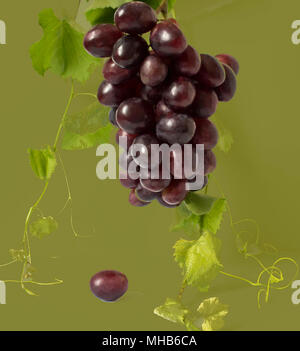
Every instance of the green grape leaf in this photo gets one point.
(61, 49)
(225, 137)
(198, 260)
(186, 221)
(190, 325)
(172, 310)
(43, 227)
(213, 313)
(212, 220)
(199, 204)
(102, 11)
(73, 141)
(18, 255)
(43, 162)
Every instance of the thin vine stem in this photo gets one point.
(86, 94)
(8, 264)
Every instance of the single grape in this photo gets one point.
(167, 39)
(162, 110)
(130, 137)
(115, 74)
(175, 193)
(180, 94)
(151, 94)
(112, 117)
(199, 186)
(109, 286)
(143, 157)
(230, 61)
(188, 63)
(153, 70)
(155, 185)
(164, 204)
(130, 51)
(99, 41)
(113, 95)
(144, 194)
(135, 201)
(176, 129)
(211, 73)
(206, 133)
(128, 182)
(210, 162)
(227, 90)
(135, 18)
(205, 103)
(135, 116)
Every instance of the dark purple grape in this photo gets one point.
(115, 74)
(197, 186)
(180, 94)
(210, 162)
(99, 41)
(155, 185)
(205, 103)
(128, 182)
(188, 63)
(109, 285)
(230, 61)
(227, 90)
(162, 110)
(144, 194)
(153, 71)
(151, 94)
(167, 39)
(175, 193)
(206, 133)
(211, 73)
(135, 116)
(135, 201)
(143, 144)
(130, 51)
(135, 18)
(112, 117)
(130, 137)
(176, 129)
(113, 95)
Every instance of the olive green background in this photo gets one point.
(260, 177)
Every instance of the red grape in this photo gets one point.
(135, 116)
(155, 185)
(210, 162)
(167, 39)
(176, 129)
(115, 74)
(151, 94)
(188, 63)
(230, 61)
(113, 95)
(130, 51)
(153, 70)
(145, 194)
(180, 94)
(130, 137)
(205, 103)
(164, 204)
(99, 41)
(143, 156)
(227, 90)
(109, 285)
(135, 18)
(135, 201)
(211, 73)
(162, 110)
(175, 193)
(128, 182)
(206, 133)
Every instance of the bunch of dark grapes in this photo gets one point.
(164, 92)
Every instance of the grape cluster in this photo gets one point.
(162, 93)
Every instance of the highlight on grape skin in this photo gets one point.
(161, 92)
(109, 285)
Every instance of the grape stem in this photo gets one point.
(163, 8)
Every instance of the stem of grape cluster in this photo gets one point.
(163, 8)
